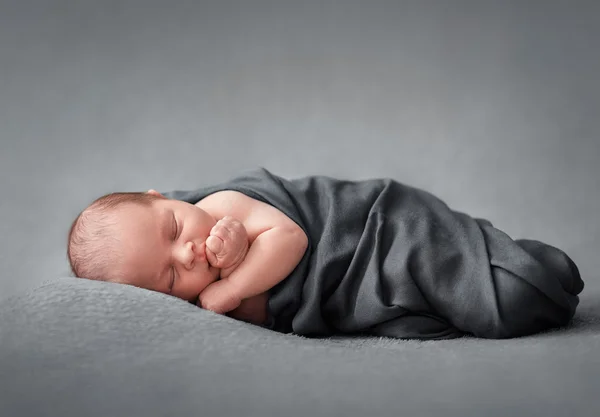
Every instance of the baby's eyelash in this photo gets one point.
(175, 227)
(172, 278)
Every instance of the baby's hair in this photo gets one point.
(93, 248)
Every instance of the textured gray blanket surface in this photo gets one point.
(75, 347)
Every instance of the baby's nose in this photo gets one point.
(197, 253)
(190, 253)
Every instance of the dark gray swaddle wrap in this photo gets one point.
(388, 259)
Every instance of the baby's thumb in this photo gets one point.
(212, 258)
(214, 245)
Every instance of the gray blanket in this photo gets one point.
(388, 259)
(73, 347)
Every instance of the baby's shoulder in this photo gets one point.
(228, 203)
(254, 214)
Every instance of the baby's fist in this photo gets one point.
(227, 244)
(219, 297)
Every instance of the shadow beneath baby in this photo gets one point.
(587, 316)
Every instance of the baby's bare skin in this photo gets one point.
(226, 266)
(226, 248)
(252, 310)
(224, 254)
(276, 246)
(227, 245)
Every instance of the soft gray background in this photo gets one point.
(493, 106)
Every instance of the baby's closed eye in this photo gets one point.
(175, 228)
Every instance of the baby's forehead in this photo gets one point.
(134, 217)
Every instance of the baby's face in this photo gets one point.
(164, 248)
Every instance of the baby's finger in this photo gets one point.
(236, 227)
(215, 244)
(211, 258)
(231, 222)
(220, 231)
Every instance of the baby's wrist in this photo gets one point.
(225, 272)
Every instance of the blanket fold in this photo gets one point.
(392, 260)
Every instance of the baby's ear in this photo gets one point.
(155, 193)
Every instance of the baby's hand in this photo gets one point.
(227, 245)
(219, 297)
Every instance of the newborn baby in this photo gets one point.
(319, 256)
(196, 252)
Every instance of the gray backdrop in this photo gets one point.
(493, 106)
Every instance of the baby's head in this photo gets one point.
(143, 239)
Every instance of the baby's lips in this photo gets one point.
(201, 253)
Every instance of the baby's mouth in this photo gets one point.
(202, 253)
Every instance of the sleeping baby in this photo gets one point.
(319, 256)
(198, 252)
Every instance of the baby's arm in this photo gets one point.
(273, 256)
(226, 248)
(252, 310)
(277, 246)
